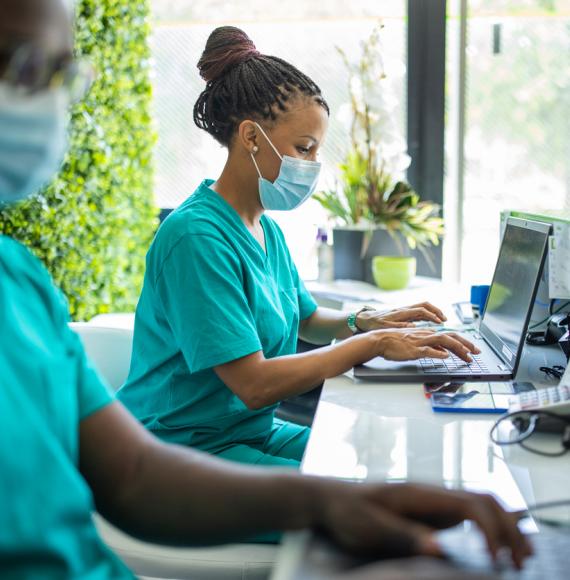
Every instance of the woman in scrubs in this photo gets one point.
(223, 304)
(59, 420)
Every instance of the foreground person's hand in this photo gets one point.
(400, 519)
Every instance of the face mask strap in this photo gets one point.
(269, 141)
(256, 166)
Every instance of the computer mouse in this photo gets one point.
(556, 328)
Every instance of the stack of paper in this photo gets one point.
(559, 261)
(558, 250)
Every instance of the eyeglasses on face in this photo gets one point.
(34, 70)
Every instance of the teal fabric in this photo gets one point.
(211, 295)
(284, 447)
(47, 386)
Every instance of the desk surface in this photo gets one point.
(388, 432)
(381, 432)
(378, 432)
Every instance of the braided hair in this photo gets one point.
(242, 83)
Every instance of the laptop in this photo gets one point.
(503, 327)
(308, 556)
(466, 550)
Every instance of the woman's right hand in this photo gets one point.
(260, 382)
(409, 344)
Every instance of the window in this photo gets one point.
(515, 76)
(302, 33)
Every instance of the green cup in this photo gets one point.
(393, 272)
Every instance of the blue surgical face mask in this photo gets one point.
(33, 139)
(295, 183)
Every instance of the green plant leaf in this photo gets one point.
(366, 195)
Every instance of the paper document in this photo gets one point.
(559, 261)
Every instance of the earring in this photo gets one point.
(255, 149)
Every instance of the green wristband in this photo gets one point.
(351, 319)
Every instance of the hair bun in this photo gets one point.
(226, 47)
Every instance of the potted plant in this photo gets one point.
(375, 211)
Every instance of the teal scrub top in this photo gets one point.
(211, 295)
(47, 386)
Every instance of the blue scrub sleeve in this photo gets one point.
(307, 304)
(201, 290)
(93, 393)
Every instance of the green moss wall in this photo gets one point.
(93, 225)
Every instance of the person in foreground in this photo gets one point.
(68, 448)
(223, 305)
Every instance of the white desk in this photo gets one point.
(387, 432)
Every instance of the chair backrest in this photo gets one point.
(108, 348)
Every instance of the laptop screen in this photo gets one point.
(514, 286)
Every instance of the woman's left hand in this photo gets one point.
(400, 317)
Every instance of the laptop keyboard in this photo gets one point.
(453, 365)
(549, 562)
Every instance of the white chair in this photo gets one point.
(232, 562)
(115, 320)
(109, 348)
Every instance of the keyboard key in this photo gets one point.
(467, 550)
